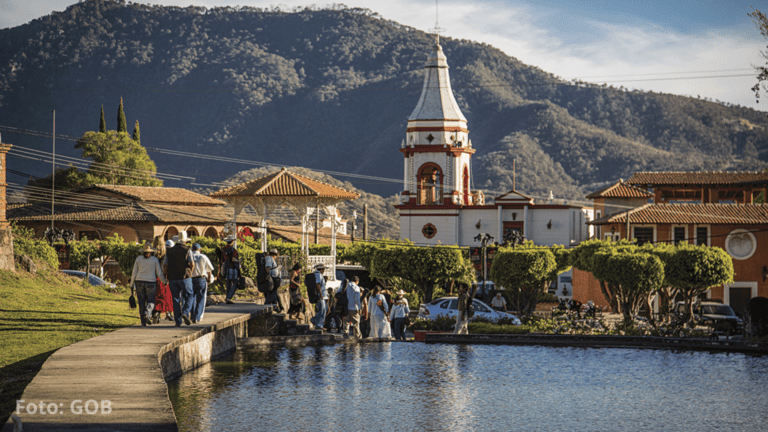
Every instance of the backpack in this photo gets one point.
(262, 275)
(229, 263)
(311, 283)
(342, 302)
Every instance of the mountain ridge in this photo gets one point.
(332, 89)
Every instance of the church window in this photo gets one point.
(430, 138)
(429, 230)
(466, 185)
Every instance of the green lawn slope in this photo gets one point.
(42, 313)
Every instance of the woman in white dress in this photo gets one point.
(378, 315)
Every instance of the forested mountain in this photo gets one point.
(331, 89)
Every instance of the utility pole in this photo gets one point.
(53, 170)
(317, 224)
(365, 222)
(354, 224)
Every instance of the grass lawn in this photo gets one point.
(42, 313)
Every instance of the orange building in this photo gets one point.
(714, 209)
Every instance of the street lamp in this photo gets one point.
(484, 239)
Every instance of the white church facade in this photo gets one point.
(437, 205)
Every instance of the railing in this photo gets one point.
(328, 260)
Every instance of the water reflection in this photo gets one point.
(412, 386)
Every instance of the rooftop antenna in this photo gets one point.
(437, 30)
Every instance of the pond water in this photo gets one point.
(415, 386)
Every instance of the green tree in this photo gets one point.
(425, 267)
(526, 272)
(117, 160)
(102, 122)
(136, 134)
(122, 126)
(630, 274)
(66, 179)
(583, 258)
(696, 269)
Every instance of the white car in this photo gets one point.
(449, 306)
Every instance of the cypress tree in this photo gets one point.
(102, 122)
(121, 125)
(136, 133)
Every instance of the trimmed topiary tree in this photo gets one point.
(526, 272)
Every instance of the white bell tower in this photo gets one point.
(437, 148)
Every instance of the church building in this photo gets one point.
(437, 203)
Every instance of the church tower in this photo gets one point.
(437, 148)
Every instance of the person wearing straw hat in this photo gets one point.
(201, 276)
(398, 314)
(229, 269)
(146, 271)
(179, 265)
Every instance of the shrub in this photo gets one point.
(440, 323)
(25, 243)
(490, 328)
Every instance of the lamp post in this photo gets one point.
(484, 239)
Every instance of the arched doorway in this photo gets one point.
(192, 232)
(170, 232)
(430, 184)
(211, 233)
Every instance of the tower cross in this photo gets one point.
(437, 29)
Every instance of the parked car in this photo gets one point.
(92, 278)
(720, 317)
(449, 306)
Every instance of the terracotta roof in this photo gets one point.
(135, 212)
(720, 214)
(620, 190)
(293, 233)
(285, 184)
(698, 178)
(156, 194)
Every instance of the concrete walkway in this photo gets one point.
(115, 382)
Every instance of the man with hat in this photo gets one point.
(270, 263)
(179, 265)
(320, 309)
(146, 271)
(201, 276)
(230, 267)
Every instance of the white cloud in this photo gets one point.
(556, 42)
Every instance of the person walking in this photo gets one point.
(398, 315)
(163, 298)
(146, 270)
(294, 292)
(321, 307)
(273, 268)
(202, 275)
(462, 317)
(354, 306)
(229, 269)
(377, 314)
(179, 265)
(499, 303)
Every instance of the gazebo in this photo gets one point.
(302, 195)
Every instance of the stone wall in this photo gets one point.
(6, 249)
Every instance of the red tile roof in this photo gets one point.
(156, 194)
(620, 190)
(719, 214)
(285, 183)
(293, 233)
(698, 178)
(135, 212)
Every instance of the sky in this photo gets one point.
(688, 47)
